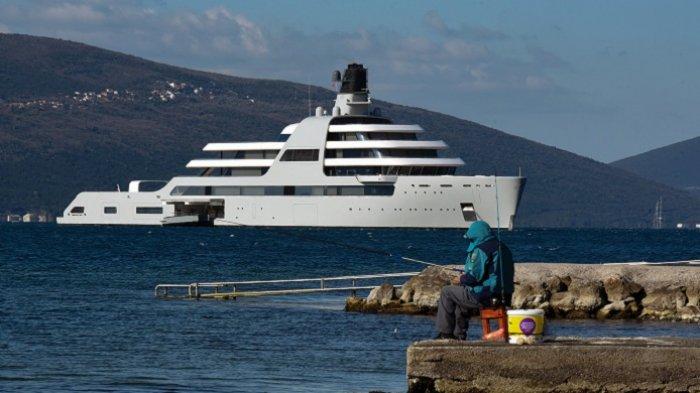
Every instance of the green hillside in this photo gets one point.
(676, 165)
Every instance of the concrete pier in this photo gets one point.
(562, 365)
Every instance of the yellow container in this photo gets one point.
(525, 324)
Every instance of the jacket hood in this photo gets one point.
(478, 233)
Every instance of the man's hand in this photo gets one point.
(455, 280)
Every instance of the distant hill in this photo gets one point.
(75, 117)
(677, 165)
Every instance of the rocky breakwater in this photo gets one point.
(563, 291)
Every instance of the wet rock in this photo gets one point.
(689, 314)
(619, 287)
(382, 294)
(354, 304)
(582, 299)
(620, 309)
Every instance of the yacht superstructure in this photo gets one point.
(349, 168)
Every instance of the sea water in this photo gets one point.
(77, 309)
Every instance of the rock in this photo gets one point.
(424, 289)
(664, 302)
(582, 299)
(689, 314)
(556, 284)
(619, 287)
(620, 309)
(382, 294)
(692, 292)
(354, 304)
(529, 295)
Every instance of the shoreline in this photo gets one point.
(570, 291)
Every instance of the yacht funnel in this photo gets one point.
(354, 79)
(353, 98)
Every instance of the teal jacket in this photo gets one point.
(486, 261)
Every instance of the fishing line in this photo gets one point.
(371, 250)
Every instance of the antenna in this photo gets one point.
(335, 80)
(658, 220)
(308, 97)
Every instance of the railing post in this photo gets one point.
(196, 290)
(322, 284)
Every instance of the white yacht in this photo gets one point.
(349, 168)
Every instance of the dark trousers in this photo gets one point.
(454, 308)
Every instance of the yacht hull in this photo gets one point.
(417, 202)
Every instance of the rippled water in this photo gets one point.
(78, 312)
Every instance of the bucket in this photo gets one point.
(525, 325)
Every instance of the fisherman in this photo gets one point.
(487, 281)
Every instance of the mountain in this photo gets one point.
(676, 165)
(75, 117)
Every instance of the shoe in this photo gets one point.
(445, 336)
(462, 337)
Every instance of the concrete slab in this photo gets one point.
(557, 365)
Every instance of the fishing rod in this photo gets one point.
(431, 264)
(498, 238)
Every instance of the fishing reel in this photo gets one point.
(498, 301)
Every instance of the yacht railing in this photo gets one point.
(225, 290)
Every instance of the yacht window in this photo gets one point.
(77, 210)
(188, 190)
(371, 190)
(149, 210)
(379, 190)
(351, 190)
(226, 190)
(253, 190)
(254, 154)
(309, 190)
(392, 136)
(110, 210)
(300, 155)
(208, 172)
(274, 190)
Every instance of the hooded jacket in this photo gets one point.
(486, 261)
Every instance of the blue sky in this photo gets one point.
(599, 78)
